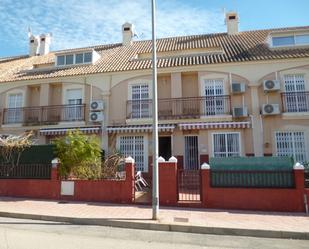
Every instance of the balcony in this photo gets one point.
(180, 108)
(42, 115)
(295, 101)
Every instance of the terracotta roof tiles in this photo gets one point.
(242, 47)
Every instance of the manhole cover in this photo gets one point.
(180, 219)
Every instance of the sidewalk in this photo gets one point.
(227, 222)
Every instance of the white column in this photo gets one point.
(257, 129)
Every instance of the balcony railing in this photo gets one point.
(295, 101)
(179, 108)
(44, 114)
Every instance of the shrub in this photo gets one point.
(80, 156)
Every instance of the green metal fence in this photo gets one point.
(252, 172)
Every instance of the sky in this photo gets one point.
(83, 23)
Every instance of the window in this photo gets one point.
(283, 41)
(73, 110)
(134, 146)
(295, 97)
(290, 40)
(214, 92)
(79, 58)
(88, 57)
(14, 112)
(140, 101)
(302, 39)
(291, 144)
(226, 144)
(70, 59)
(60, 60)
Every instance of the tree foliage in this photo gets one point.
(80, 156)
(11, 147)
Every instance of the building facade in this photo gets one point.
(219, 95)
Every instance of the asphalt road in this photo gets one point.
(30, 234)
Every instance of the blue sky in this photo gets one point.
(87, 22)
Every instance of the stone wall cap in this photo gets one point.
(298, 166)
(173, 159)
(161, 160)
(205, 166)
(129, 160)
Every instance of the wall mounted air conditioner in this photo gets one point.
(240, 112)
(271, 85)
(96, 105)
(95, 116)
(270, 109)
(238, 88)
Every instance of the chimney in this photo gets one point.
(127, 33)
(34, 43)
(231, 21)
(44, 44)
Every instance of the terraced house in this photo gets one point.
(220, 95)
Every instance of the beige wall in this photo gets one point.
(114, 89)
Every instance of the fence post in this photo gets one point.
(130, 177)
(168, 181)
(299, 176)
(205, 183)
(54, 170)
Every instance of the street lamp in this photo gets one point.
(155, 175)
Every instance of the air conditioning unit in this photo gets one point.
(271, 85)
(270, 109)
(97, 105)
(96, 117)
(238, 88)
(240, 112)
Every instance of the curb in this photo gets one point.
(163, 226)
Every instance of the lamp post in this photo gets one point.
(155, 175)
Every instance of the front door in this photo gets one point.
(165, 147)
(191, 153)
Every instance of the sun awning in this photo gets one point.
(63, 131)
(215, 125)
(139, 128)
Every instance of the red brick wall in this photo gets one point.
(168, 183)
(288, 200)
(119, 191)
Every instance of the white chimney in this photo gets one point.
(231, 21)
(34, 43)
(127, 33)
(44, 44)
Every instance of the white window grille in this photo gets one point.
(134, 146)
(140, 101)
(291, 143)
(226, 144)
(214, 93)
(191, 152)
(15, 103)
(74, 109)
(296, 99)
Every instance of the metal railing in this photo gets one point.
(179, 108)
(295, 101)
(25, 171)
(44, 114)
(252, 179)
(189, 188)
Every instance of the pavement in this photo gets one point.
(202, 221)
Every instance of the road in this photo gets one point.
(30, 234)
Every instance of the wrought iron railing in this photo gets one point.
(295, 101)
(25, 171)
(179, 108)
(252, 179)
(43, 114)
